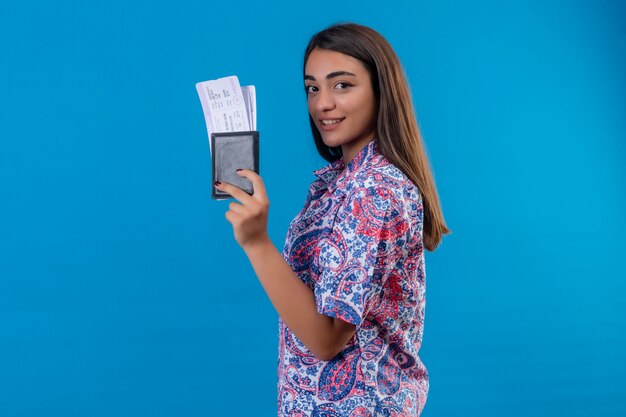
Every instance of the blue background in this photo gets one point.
(123, 291)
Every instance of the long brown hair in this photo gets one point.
(398, 134)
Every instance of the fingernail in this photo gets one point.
(217, 183)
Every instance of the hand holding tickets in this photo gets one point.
(230, 116)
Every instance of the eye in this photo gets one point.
(310, 89)
(343, 85)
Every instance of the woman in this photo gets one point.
(349, 286)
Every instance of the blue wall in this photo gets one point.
(123, 291)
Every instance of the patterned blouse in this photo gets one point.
(357, 244)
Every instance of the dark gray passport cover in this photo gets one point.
(232, 150)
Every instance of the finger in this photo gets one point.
(237, 208)
(236, 192)
(257, 183)
(232, 217)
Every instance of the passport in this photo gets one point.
(230, 116)
(231, 151)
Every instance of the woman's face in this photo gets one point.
(341, 100)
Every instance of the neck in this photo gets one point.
(349, 150)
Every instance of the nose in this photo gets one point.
(325, 101)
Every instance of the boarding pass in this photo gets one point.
(227, 106)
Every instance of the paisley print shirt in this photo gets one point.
(357, 244)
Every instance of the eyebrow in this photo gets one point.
(331, 75)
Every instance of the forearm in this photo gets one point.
(293, 299)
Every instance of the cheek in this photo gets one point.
(373, 112)
(360, 104)
(368, 107)
(311, 107)
(363, 109)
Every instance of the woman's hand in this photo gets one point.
(249, 219)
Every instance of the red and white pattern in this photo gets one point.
(357, 243)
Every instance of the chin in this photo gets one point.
(333, 142)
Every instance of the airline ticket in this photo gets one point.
(227, 106)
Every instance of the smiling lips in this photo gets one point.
(330, 124)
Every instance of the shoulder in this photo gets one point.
(380, 190)
(379, 177)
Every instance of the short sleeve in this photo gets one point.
(364, 245)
